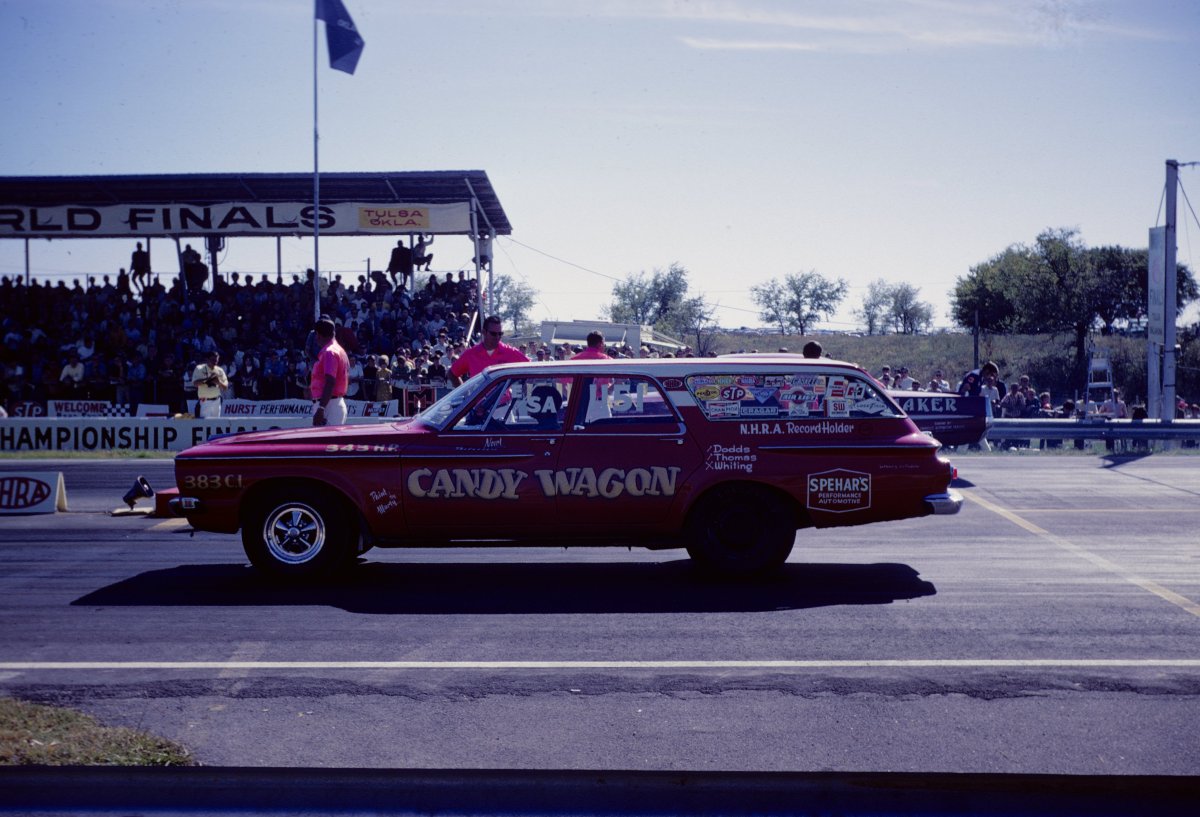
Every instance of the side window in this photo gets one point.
(794, 395)
(519, 404)
(623, 403)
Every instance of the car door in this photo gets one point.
(483, 476)
(624, 461)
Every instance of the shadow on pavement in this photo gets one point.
(202, 790)
(450, 588)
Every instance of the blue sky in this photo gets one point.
(899, 139)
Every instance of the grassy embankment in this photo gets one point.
(31, 734)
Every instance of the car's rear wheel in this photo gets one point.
(299, 533)
(741, 530)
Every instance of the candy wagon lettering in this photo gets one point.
(457, 483)
(609, 483)
(487, 483)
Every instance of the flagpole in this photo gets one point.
(345, 47)
(316, 189)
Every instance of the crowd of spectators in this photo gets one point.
(128, 341)
(132, 340)
(115, 341)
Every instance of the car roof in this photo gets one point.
(680, 367)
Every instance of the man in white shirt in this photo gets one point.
(355, 375)
(209, 378)
(71, 376)
(1114, 407)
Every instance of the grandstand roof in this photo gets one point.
(426, 187)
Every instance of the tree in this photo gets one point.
(772, 300)
(1122, 272)
(875, 306)
(800, 300)
(1059, 285)
(909, 316)
(661, 300)
(982, 296)
(512, 300)
(698, 319)
(648, 299)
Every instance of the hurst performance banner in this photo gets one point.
(304, 408)
(238, 218)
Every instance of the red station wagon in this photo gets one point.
(727, 457)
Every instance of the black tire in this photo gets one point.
(300, 534)
(741, 530)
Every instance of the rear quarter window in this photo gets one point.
(789, 396)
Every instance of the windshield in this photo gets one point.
(437, 415)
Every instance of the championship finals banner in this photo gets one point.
(238, 218)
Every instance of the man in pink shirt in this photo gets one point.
(330, 377)
(489, 352)
(594, 350)
(597, 405)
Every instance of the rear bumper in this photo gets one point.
(947, 503)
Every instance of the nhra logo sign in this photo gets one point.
(19, 493)
(32, 492)
(839, 491)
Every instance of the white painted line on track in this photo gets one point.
(814, 664)
(1157, 589)
(169, 524)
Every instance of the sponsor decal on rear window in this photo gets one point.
(762, 397)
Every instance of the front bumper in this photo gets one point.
(944, 504)
(181, 506)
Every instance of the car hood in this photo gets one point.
(384, 437)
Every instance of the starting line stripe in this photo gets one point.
(1157, 589)
(816, 664)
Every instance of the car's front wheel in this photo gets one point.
(741, 530)
(299, 533)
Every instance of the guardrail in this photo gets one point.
(1094, 429)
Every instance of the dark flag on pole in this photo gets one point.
(345, 46)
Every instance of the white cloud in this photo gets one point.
(859, 26)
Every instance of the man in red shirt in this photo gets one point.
(330, 377)
(594, 350)
(488, 352)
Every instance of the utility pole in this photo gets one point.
(1169, 297)
(975, 335)
(1160, 309)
